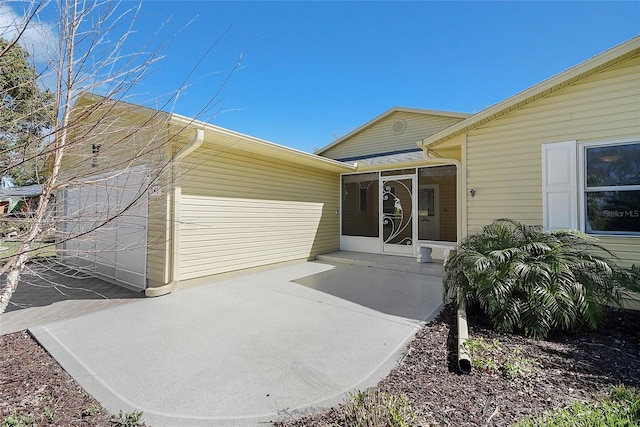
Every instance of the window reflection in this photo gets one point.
(612, 190)
(613, 211)
(613, 165)
(360, 205)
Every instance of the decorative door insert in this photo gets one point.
(397, 225)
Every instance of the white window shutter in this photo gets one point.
(559, 186)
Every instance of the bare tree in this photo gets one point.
(100, 146)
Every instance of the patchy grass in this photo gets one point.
(491, 358)
(373, 408)
(40, 250)
(620, 409)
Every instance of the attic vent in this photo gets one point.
(398, 127)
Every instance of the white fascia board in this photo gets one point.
(262, 146)
(563, 79)
(387, 113)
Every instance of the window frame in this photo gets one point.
(363, 199)
(583, 189)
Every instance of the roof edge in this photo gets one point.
(390, 111)
(187, 121)
(598, 63)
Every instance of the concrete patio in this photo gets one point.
(256, 348)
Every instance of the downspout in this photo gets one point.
(464, 358)
(173, 214)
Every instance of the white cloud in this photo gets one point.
(39, 39)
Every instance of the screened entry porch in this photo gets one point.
(394, 211)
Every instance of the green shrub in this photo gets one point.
(491, 358)
(621, 409)
(92, 410)
(376, 409)
(128, 419)
(484, 355)
(48, 415)
(15, 420)
(518, 366)
(631, 278)
(525, 279)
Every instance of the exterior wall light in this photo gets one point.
(472, 192)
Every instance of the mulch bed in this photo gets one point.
(570, 367)
(33, 385)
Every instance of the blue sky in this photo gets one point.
(314, 71)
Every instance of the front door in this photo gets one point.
(396, 214)
(428, 212)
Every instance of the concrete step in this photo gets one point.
(385, 262)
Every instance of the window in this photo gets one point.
(612, 188)
(360, 205)
(363, 199)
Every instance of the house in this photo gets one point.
(157, 201)
(399, 197)
(564, 153)
(20, 199)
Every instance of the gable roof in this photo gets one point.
(226, 137)
(566, 78)
(21, 192)
(388, 113)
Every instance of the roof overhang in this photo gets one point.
(28, 191)
(234, 140)
(388, 113)
(568, 77)
(184, 126)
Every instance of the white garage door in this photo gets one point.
(106, 221)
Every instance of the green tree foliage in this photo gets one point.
(27, 112)
(526, 279)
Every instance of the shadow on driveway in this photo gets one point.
(406, 295)
(49, 291)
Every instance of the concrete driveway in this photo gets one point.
(245, 351)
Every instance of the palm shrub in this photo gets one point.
(525, 279)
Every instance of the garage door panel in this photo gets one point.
(131, 187)
(130, 260)
(108, 270)
(106, 254)
(117, 249)
(135, 220)
(72, 205)
(134, 279)
(131, 237)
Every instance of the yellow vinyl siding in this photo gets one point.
(158, 228)
(379, 138)
(504, 160)
(241, 211)
(127, 139)
(625, 248)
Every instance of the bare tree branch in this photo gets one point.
(92, 146)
